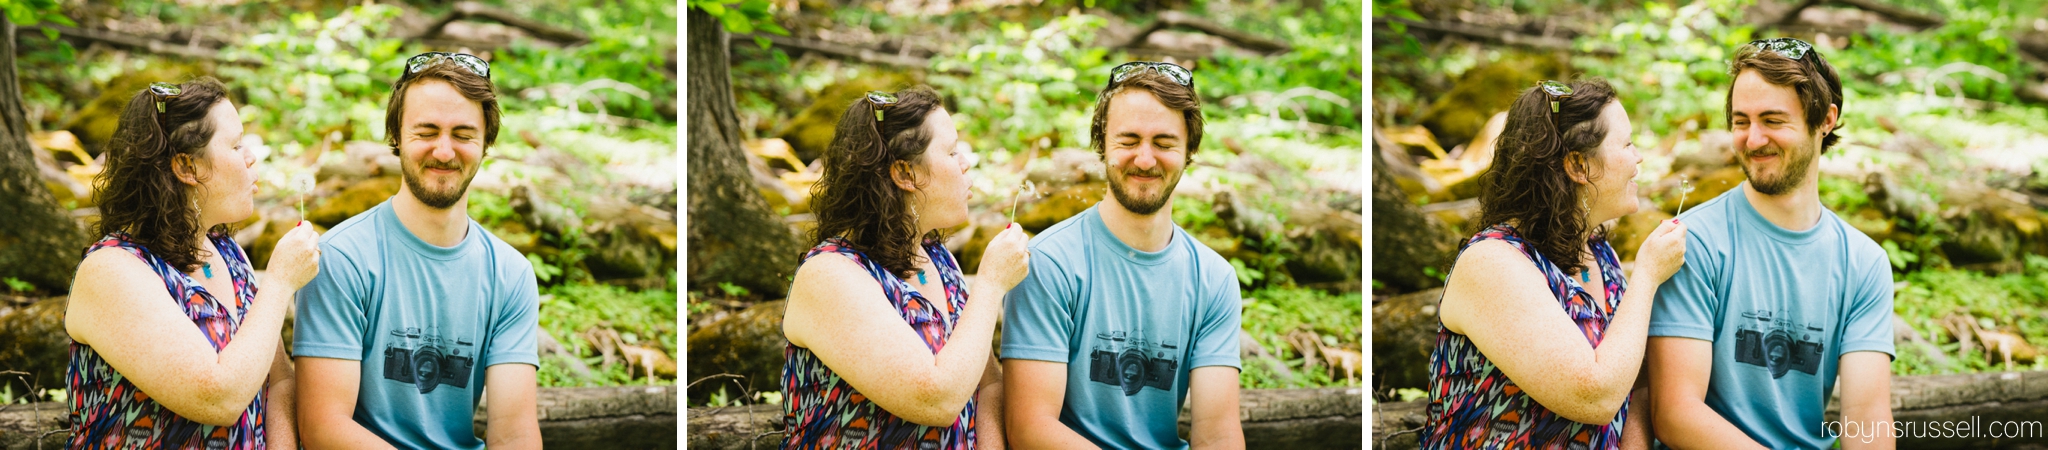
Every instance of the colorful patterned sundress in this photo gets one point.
(1473, 405)
(822, 411)
(109, 412)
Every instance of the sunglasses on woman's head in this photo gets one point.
(475, 65)
(164, 91)
(880, 99)
(1786, 47)
(1557, 92)
(1179, 75)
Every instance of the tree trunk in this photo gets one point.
(39, 243)
(734, 237)
(1404, 240)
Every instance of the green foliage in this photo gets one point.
(28, 13)
(17, 285)
(2011, 303)
(644, 318)
(1270, 314)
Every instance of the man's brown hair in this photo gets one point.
(1171, 94)
(1810, 76)
(474, 87)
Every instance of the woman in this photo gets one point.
(1541, 339)
(172, 344)
(885, 347)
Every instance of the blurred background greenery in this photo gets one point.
(1943, 158)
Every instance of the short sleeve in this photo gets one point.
(330, 319)
(1869, 317)
(1037, 314)
(1687, 305)
(515, 327)
(1216, 331)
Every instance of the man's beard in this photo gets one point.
(1143, 206)
(442, 199)
(1795, 165)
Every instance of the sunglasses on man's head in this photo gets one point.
(1786, 47)
(1179, 75)
(1557, 92)
(164, 91)
(475, 65)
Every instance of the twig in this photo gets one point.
(708, 377)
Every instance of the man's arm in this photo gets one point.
(1679, 371)
(513, 405)
(279, 430)
(988, 408)
(1032, 399)
(1635, 434)
(1868, 375)
(327, 403)
(1212, 395)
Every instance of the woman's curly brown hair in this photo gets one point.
(1528, 182)
(139, 192)
(855, 198)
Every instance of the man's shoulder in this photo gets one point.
(504, 257)
(1863, 252)
(358, 237)
(1066, 237)
(1212, 265)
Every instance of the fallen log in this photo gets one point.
(846, 52)
(1978, 399)
(1271, 418)
(141, 43)
(595, 417)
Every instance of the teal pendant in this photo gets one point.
(1585, 276)
(920, 277)
(208, 269)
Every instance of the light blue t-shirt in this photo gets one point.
(1781, 307)
(424, 321)
(1128, 324)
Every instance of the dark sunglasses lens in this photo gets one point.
(476, 65)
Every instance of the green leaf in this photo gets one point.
(737, 23)
(763, 41)
(712, 7)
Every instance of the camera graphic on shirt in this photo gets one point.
(426, 360)
(1777, 345)
(1120, 360)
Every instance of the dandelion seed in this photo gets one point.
(1029, 189)
(1684, 187)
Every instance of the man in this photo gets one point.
(1778, 296)
(418, 312)
(1124, 315)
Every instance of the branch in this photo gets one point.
(1249, 41)
(467, 10)
(1901, 15)
(1497, 35)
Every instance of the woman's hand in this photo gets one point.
(1661, 253)
(296, 258)
(1006, 260)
